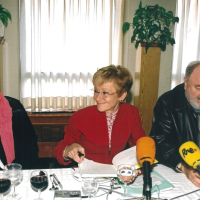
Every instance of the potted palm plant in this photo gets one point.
(5, 15)
(152, 26)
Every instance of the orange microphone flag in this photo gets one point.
(145, 150)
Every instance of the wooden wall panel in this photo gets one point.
(146, 84)
(49, 128)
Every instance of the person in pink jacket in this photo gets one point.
(101, 131)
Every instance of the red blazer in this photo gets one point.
(88, 127)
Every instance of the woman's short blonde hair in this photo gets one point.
(120, 76)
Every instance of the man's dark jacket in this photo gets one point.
(174, 123)
(25, 138)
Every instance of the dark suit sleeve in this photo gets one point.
(25, 138)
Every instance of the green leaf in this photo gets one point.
(176, 19)
(4, 16)
(132, 39)
(172, 41)
(147, 46)
(125, 27)
(4, 20)
(162, 46)
(136, 19)
(170, 14)
(140, 5)
(137, 44)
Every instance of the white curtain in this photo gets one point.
(187, 37)
(62, 44)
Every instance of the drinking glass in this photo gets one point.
(126, 174)
(39, 181)
(89, 186)
(13, 172)
(5, 184)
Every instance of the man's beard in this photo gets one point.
(193, 102)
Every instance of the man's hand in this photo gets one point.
(75, 151)
(192, 174)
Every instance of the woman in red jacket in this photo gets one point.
(101, 131)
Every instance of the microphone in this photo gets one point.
(145, 150)
(190, 153)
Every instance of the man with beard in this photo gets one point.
(177, 120)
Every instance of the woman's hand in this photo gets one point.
(137, 172)
(192, 174)
(75, 151)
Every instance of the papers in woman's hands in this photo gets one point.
(127, 156)
(90, 168)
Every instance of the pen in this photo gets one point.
(59, 183)
(80, 154)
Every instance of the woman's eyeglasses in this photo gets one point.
(104, 93)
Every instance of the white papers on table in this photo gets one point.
(137, 186)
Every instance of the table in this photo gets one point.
(65, 175)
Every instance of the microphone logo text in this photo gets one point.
(186, 151)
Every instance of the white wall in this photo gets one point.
(129, 51)
(11, 57)
(11, 61)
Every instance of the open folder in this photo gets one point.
(90, 168)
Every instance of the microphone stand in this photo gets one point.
(147, 181)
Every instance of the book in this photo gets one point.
(95, 169)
